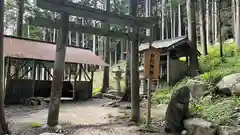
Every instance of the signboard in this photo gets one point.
(151, 63)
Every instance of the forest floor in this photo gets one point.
(81, 118)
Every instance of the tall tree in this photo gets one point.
(208, 22)
(238, 25)
(163, 19)
(191, 16)
(107, 53)
(135, 82)
(203, 27)
(20, 18)
(58, 72)
(3, 124)
(179, 20)
(234, 16)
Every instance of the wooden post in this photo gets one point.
(149, 102)
(38, 71)
(8, 75)
(150, 83)
(59, 64)
(34, 77)
(168, 68)
(134, 67)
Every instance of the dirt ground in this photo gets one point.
(82, 118)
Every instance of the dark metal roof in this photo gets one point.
(163, 43)
(32, 49)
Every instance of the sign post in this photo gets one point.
(151, 71)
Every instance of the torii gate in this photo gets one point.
(67, 7)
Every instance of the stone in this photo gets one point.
(197, 126)
(184, 132)
(47, 133)
(230, 82)
(229, 130)
(197, 88)
(177, 110)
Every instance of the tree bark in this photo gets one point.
(191, 6)
(107, 54)
(163, 19)
(179, 20)
(220, 29)
(234, 18)
(213, 21)
(208, 22)
(58, 72)
(238, 26)
(20, 18)
(3, 125)
(203, 27)
(134, 67)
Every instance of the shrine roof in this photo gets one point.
(33, 49)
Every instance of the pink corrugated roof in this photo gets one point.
(23, 48)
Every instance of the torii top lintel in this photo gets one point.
(97, 14)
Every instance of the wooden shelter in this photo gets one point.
(171, 67)
(33, 61)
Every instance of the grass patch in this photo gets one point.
(35, 125)
(162, 96)
(218, 111)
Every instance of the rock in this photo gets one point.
(184, 132)
(177, 110)
(231, 83)
(47, 133)
(229, 130)
(99, 95)
(197, 126)
(197, 88)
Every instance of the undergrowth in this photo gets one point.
(213, 69)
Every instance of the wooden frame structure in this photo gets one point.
(77, 83)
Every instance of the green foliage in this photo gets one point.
(35, 125)
(218, 110)
(162, 96)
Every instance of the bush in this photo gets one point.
(162, 96)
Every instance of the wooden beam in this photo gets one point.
(42, 22)
(97, 14)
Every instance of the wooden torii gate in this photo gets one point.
(66, 8)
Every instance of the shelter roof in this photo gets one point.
(168, 44)
(33, 49)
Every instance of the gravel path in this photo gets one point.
(83, 118)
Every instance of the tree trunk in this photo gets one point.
(216, 21)
(179, 20)
(174, 22)
(58, 72)
(20, 18)
(171, 21)
(213, 21)
(163, 19)
(3, 125)
(203, 27)
(238, 25)
(107, 54)
(191, 6)
(234, 18)
(208, 22)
